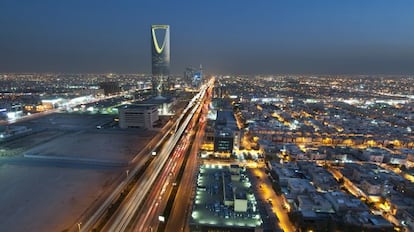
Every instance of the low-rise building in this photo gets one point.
(367, 220)
(138, 116)
(372, 186)
(321, 178)
(315, 202)
(374, 154)
(283, 172)
(342, 202)
(396, 159)
(224, 204)
(298, 186)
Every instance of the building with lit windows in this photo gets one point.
(160, 57)
(226, 134)
(223, 140)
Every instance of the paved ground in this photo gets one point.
(93, 145)
(49, 194)
(39, 198)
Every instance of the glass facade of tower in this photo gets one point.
(160, 48)
(160, 51)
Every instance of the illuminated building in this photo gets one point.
(223, 140)
(193, 77)
(224, 201)
(160, 55)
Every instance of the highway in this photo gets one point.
(182, 205)
(148, 215)
(159, 195)
(91, 221)
(161, 162)
(178, 213)
(153, 174)
(146, 182)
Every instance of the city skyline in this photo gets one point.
(287, 116)
(310, 147)
(318, 37)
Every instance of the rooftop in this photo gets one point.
(210, 210)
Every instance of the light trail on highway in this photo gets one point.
(135, 198)
(148, 219)
(94, 219)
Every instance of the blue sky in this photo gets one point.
(239, 37)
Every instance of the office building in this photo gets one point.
(224, 201)
(160, 54)
(223, 140)
(138, 116)
(227, 134)
(193, 77)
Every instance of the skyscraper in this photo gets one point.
(193, 77)
(160, 57)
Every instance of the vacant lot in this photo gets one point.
(51, 195)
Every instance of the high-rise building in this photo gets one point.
(188, 75)
(192, 77)
(197, 78)
(160, 48)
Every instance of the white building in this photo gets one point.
(138, 116)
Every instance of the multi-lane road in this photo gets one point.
(91, 221)
(127, 210)
(181, 208)
(148, 216)
(153, 183)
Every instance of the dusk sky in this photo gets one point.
(226, 36)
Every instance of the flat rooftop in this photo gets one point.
(209, 210)
(72, 166)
